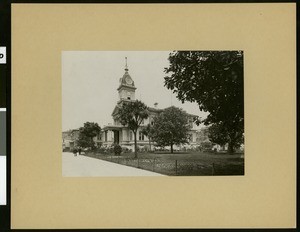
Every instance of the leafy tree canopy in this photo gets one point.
(132, 114)
(148, 131)
(213, 79)
(84, 141)
(171, 127)
(87, 133)
(90, 129)
(219, 134)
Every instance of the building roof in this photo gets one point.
(126, 81)
(156, 110)
(70, 131)
(160, 110)
(151, 109)
(112, 127)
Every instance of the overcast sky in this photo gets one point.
(90, 80)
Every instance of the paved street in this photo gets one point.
(76, 166)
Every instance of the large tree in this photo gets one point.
(215, 80)
(87, 133)
(132, 114)
(171, 128)
(218, 134)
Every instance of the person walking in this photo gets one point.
(75, 152)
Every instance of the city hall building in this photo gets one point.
(119, 134)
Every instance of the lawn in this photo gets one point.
(181, 164)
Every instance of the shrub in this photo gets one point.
(198, 148)
(147, 148)
(117, 149)
(102, 150)
(206, 145)
(110, 149)
(126, 150)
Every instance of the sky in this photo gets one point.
(90, 80)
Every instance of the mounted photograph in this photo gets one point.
(152, 113)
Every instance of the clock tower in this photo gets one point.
(126, 88)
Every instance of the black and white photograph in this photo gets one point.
(152, 113)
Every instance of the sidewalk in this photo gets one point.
(82, 166)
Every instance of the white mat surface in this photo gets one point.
(2, 180)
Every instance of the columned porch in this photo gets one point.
(111, 135)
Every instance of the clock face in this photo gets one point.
(128, 80)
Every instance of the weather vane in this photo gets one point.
(126, 67)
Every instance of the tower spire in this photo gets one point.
(126, 67)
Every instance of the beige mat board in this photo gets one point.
(264, 197)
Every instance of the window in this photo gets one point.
(190, 123)
(191, 139)
(141, 136)
(130, 136)
(128, 95)
(105, 136)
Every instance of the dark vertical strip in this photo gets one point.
(297, 112)
(2, 133)
(3, 77)
(5, 102)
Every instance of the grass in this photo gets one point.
(188, 163)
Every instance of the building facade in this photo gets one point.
(69, 139)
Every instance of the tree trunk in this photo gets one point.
(92, 143)
(231, 143)
(149, 143)
(135, 145)
(172, 144)
(230, 148)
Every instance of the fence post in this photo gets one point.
(213, 169)
(153, 164)
(176, 167)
